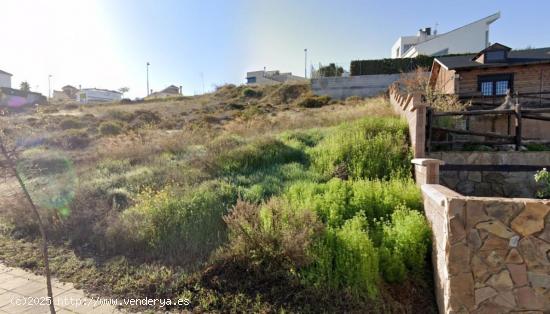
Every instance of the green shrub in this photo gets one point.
(120, 115)
(272, 234)
(180, 226)
(75, 139)
(289, 92)
(370, 148)
(259, 154)
(71, 123)
(389, 66)
(302, 139)
(313, 101)
(110, 128)
(542, 177)
(345, 259)
(406, 242)
(337, 201)
(534, 147)
(252, 93)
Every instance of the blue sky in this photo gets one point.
(106, 43)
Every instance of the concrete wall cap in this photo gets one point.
(427, 161)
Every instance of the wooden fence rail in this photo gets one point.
(518, 114)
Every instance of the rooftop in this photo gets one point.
(515, 57)
(4, 72)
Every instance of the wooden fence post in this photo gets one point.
(518, 125)
(429, 125)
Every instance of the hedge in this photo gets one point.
(389, 66)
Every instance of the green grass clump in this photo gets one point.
(181, 226)
(71, 123)
(313, 101)
(372, 148)
(249, 92)
(75, 139)
(302, 139)
(345, 259)
(110, 128)
(338, 200)
(405, 245)
(257, 155)
(264, 183)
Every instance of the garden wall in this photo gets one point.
(503, 173)
(344, 87)
(412, 109)
(489, 254)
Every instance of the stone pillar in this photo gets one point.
(418, 126)
(427, 170)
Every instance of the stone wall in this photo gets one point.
(412, 109)
(487, 182)
(491, 183)
(490, 255)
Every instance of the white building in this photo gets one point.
(89, 95)
(472, 37)
(5, 79)
(270, 77)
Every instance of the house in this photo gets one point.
(492, 71)
(468, 38)
(485, 78)
(5, 79)
(67, 93)
(90, 95)
(14, 98)
(270, 77)
(170, 91)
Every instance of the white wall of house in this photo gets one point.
(360, 85)
(5, 80)
(89, 95)
(472, 37)
(271, 77)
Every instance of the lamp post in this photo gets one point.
(49, 86)
(148, 78)
(305, 63)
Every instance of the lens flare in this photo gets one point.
(49, 177)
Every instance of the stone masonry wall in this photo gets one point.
(412, 109)
(491, 255)
(490, 183)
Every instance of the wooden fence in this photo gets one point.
(489, 102)
(515, 118)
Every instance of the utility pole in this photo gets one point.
(148, 78)
(202, 80)
(49, 86)
(305, 63)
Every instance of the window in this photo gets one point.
(495, 85)
(487, 88)
(251, 80)
(501, 87)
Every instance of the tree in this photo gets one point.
(331, 70)
(124, 90)
(11, 162)
(25, 86)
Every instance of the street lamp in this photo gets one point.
(49, 86)
(148, 78)
(305, 63)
